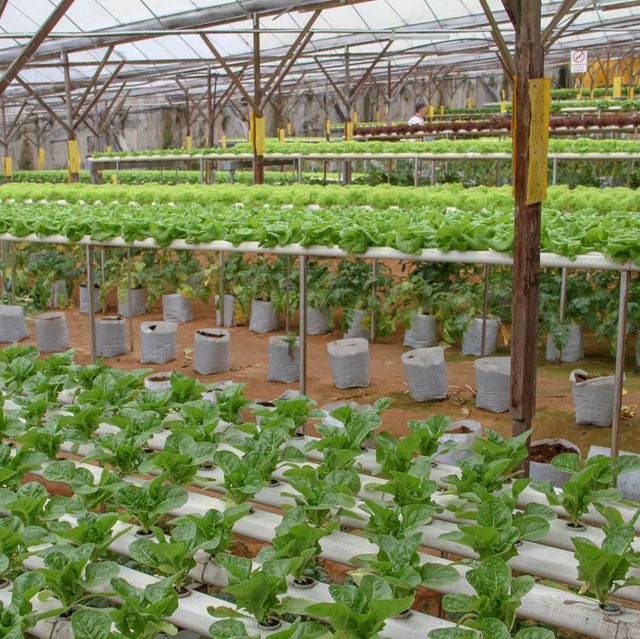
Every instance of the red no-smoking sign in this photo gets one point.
(579, 61)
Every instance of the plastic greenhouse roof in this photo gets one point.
(441, 34)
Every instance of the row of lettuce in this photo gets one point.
(486, 145)
(448, 218)
(71, 534)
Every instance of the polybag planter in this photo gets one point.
(628, 483)
(463, 441)
(229, 308)
(59, 294)
(349, 360)
(52, 335)
(423, 332)
(284, 359)
(111, 336)
(138, 302)
(157, 342)
(13, 326)
(356, 326)
(264, 317)
(176, 308)
(472, 338)
(425, 372)
(84, 298)
(593, 398)
(317, 323)
(541, 471)
(572, 352)
(493, 381)
(158, 381)
(211, 351)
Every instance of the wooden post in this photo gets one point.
(529, 63)
(74, 157)
(258, 157)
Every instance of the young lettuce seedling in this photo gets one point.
(498, 596)
(257, 591)
(296, 538)
(16, 463)
(411, 487)
(492, 629)
(294, 413)
(605, 568)
(594, 483)
(141, 616)
(149, 501)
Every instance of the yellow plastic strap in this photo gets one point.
(432, 111)
(114, 178)
(631, 92)
(327, 126)
(579, 96)
(355, 118)
(503, 107)
(442, 109)
(348, 131)
(540, 99)
(74, 156)
(469, 103)
(41, 158)
(8, 166)
(188, 143)
(261, 136)
(289, 129)
(617, 87)
(223, 142)
(377, 116)
(280, 135)
(109, 149)
(504, 95)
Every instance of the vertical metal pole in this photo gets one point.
(485, 309)
(374, 297)
(302, 334)
(287, 304)
(103, 276)
(3, 260)
(498, 178)
(433, 172)
(619, 377)
(258, 160)
(554, 179)
(415, 171)
(563, 305)
(222, 287)
(129, 300)
(300, 170)
(92, 310)
(13, 273)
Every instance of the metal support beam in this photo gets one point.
(98, 95)
(94, 81)
(91, 305)
(302, 331)
(32, 46)
(619, 376)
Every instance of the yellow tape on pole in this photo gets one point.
(109, 149)
(260, 125)
(540, 99)
(377, 116)
(617, 87)
(432, 111)
(280, 135)
(355, 118)
(74, 156)
(442, 109)
(503, 107)
(469, 103)
(348, 131)
(41, 158)
(188, 143)
(8, 166)
(327, 126)
(631, 93)
(289, 129)
(114, 178)
(223, 141)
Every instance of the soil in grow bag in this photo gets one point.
(461, 430)
(544, 453)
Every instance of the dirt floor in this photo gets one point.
(249, 357)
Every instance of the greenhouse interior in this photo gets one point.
(320, 319)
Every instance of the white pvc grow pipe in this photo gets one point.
(339, 546)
